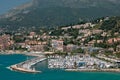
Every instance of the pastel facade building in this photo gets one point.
(5, 42)
(71, 47)
(57, 45)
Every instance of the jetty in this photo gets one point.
(26, 66)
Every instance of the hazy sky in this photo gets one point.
(6, 5)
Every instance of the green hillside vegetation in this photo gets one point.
(47, 13)
(112, 24)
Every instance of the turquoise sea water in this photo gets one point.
(6, 74)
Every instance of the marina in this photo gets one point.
(48, 74)
(79, 63)
(82, 63)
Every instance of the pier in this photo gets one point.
(26, 66)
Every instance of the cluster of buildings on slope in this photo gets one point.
(86, 39)
(5, 42)
(83, 26)
(89, 36)
(32, 42)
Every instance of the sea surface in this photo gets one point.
(47, 74)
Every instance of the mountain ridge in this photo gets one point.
(51, 13)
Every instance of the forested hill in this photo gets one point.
(111, 24)
(52, 13)
(108, 24)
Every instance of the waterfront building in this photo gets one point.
(91, 49)
(71, 47)
(57, 45)
(118, 48)
(36, 48)
(32, 33)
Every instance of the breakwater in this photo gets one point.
(93, 70)
(26, 66)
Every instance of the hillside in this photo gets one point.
(109, 24)
(52, 13)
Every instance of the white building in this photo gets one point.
(57, 45)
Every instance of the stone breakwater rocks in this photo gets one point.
(93, 70)
(110, 70)
(15, 68)
(81, 70)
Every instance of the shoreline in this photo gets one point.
(92, 70)
(21, 53)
